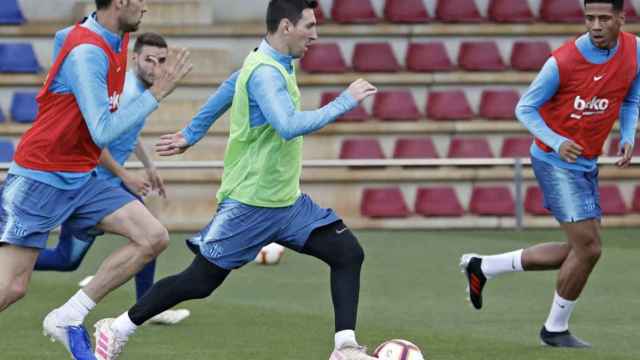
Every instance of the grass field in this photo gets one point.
(411, 289)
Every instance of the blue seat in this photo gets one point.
(24, 107)
(18, 58)
(6, 150)
(10, 13)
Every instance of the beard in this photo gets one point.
(129, 27)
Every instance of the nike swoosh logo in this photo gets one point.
(340, 231)
(598, 78)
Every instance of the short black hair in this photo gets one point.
(618, 5)
(103, 4)
(286, 9)
(149, 39)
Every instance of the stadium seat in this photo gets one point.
(363, 148)
(24, 107)
(428, 57)
(448, 105)
(438, 201)
(405, 11)
(611, 201)
(323, 58)
(469, 148)
(319, 13)
(534, 202)
(561, 11)
(458, 11)
(510, 11)
(18, 58)
(529, 55)
(630, 13)
(374, 57)
(480, 56)
(353, 11)
(395, 105)
(357, 114)
(498, 104)
(10, 13)
(635, 203)
(516, 147)
(615, 143)
(383, 203)
(492, 201)
(6, 150)
(415, 148)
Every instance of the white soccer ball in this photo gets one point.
(270, 254)
(398, 349)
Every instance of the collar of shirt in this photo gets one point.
(114, 40)
(593, 53)
(282, 59)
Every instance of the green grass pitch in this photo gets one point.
(411, 289)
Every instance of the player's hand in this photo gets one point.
(171, 144)
(569, 151)
(156, 181)
(177, 66)
(136, 184)
(627, 153)
(361, 89)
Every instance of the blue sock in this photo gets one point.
(144, 279)
(66, 256)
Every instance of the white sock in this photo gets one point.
(76, 308)
(494, 265)
(559, 315)
(344, 338)
(123, 325)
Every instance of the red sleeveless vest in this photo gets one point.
(589, 97)
(59, 139)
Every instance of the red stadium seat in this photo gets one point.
(498, 104)
(448, 105)
(630, 13)
(534, 202)
(428, 57)
(635, 204)
(415, 148)
(405, 11)
(615, 143)
(395, 105)
(361, 149)
(561, 11)
(383, 203)
(611, 201)
(458, 11)
(438, 201)
(324, 58)
(469, 148)
(510, 11)
(480, 56)
(374, 57)
(353, 11)
(492, 201)
(516, 147)
(320, 19)
(357, 114)
(529, 55)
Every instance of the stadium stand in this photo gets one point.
(529, 55)
(458, 11)
(477, 147)
(415, 148)
(405, 11)
(516, 147)
(324, 58)
(384, 203)
(6, 150)
(561, 11)
(353, 11)
(630, 13)
(10, 13)
(448, 105)
(366, 148)
(491, 200)
(611, 200)
(24, 107)
(510, 11)
(18, 58)
(635, 200)
(533, 202)
(428, 57)
(480, 56)
(438, 202)
(319, 14)
(498, 104)
(395, 105)
(357, 114)
(374, 57)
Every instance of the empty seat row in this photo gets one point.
(389, 202)
(24, 107)
(423, 148)
(10, 13)
(400, 105)
(452, 11)
(425, 57)
(18, 58)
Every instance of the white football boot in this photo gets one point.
(109, 344)
(351, 352)
(170, 317)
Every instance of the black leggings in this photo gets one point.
(334, 244)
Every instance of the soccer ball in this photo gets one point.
(398, 349)
(270, 254)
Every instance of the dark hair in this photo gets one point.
(618, 5)
(286, 9)
(102, 4)
(149, 39)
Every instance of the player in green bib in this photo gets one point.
(260, 201)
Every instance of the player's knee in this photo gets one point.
(590, 248)
(158, 241)
(351, 253)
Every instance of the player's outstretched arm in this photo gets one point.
(171, 144)
(157, 184)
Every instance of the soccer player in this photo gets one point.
(259, 199)
(570, 108)
(51, 180)
(149, 53)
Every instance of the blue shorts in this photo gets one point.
(31, 209)
(570, 195)
(238, 231)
